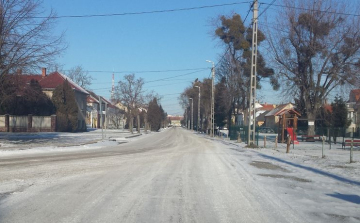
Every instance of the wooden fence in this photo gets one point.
(12, 123)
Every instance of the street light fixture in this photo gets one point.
(212, 97)
(198, 124)
(192, 113)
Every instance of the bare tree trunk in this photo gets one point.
(138, 123)
(131, 124)
(146, 124)
(311, 123)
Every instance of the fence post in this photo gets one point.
(288, 144)
(351, 150)
(7, 123)
(264, 141)
(53, 123)
(239, 138)
(322, 148)
(29, 124)
(276, 141)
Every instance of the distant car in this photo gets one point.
(266, 130)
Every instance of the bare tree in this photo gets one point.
(316, 48)
(26, 36)
(79, 76)
(234, 68)
(129, 92)
(116, 117)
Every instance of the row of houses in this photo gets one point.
(92, 107)
(268, 115)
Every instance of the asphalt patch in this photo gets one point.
(277, 176)
(268, 166)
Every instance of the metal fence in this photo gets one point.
(242, 132)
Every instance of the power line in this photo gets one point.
(143, 12)
(170, 94)
(313, 10)
(251, 6)
(143, 71)
(176, 76)
(267, 8)
(167, 84)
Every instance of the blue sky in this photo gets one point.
(147, 42)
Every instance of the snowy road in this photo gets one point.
(171, 176)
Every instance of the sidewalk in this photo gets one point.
(22, 141)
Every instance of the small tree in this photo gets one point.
(154, 115)
(339, 117)
(116, 117)
(66, 108)
(129, 93)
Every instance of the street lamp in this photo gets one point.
(212, 97)
(192, 114)
(198, 124)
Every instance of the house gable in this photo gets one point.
(354, 96)
(279, 109)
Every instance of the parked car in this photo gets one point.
(266, 130)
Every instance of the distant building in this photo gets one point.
(175, 120)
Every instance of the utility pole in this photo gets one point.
(197, 127)
(101, 119)
(212, 97)
(192, 114)
(186, 119)
(252, 99)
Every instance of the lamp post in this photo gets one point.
(192, 114)
(186, 119)
(212, 97)
(198, 122)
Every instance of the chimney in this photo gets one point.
(43, 72)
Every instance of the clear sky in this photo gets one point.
(136, 43)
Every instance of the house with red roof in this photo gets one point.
(49, 82)
(272, 117)
(353, 106)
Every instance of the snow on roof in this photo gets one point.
(279, 108)
(54, 79)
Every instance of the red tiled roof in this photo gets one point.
(356, 95)
(267, 107)
(55, 79)
(52, 81)
(30, 77)
(174, 118)
(328, 107)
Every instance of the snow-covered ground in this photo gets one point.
(327, 188)
(27, 143)
(319, 189)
